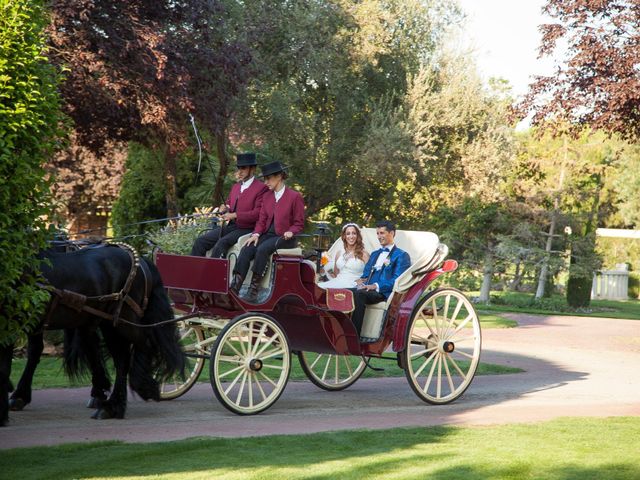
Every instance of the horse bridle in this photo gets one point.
(78, 301)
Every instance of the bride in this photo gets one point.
(349, 261)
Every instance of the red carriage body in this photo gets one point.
(316, 324)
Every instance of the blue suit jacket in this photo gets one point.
(397, 262)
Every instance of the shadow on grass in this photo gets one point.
(563, 450)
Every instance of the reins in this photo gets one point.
(78, 301)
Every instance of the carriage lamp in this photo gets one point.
(322, 238)
(321, 242)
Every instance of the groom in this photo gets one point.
(384, 266)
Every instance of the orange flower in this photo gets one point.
(324, 259)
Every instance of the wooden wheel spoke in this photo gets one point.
(464, 322)
(260, 335)
(349, 369)
(446, 368)
(271, 353)
(250, 389)
(454, 315)
(235, 350)
(316, 361)
(422, 352)
(261, 373)
(326, 367)
(241, 389)
(463, 339)
(439, 380)
(464, 354)
(229, 372)
(235, 380)
(227, 358)
(266, 345)
(455, 365)
(426, 322)
(445, 312)
(260, 389)
(274, 367)
(422, 367)
(239, 335)
(433, 366)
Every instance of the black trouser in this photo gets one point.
(267, 244)
(220, 239)
(362, 298)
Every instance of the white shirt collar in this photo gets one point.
(246, 184)
(279, 194)
(383, 256)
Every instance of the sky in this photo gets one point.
(504, 37)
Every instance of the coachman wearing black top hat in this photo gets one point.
(241, 210)
(281, 218)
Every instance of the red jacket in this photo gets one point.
(288, 212)
(249, 203)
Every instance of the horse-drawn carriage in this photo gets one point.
(434, 335)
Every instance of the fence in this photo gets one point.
(611, 284)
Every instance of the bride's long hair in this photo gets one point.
(358, 250)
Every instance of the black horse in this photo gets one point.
(85, 286)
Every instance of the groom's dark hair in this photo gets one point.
(388, 224)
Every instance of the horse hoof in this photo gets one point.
(101, 414)
(16, 404)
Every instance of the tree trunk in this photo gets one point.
(487, 274)
(171, 187)
(223, 160)
(517, 278)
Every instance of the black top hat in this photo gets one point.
(246, 160)
(272, 168)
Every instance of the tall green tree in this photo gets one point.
(29, 127)
(329, 89)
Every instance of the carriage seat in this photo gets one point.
(234, 251)
(426, 253)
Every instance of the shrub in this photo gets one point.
(634, 285)
(29, 127)
(178, 236)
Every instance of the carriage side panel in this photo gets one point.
(410, 301)
(200, 274)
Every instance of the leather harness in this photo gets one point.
(78, 301)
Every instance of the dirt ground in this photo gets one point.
(574, 366)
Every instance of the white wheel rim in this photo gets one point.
(192, 341)
(444, 349)
(251, 364)
(333, 371)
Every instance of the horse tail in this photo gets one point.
(75, 361)
(165, 357)
(83, 353)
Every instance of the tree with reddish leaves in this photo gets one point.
(597, 84)
(136, 69)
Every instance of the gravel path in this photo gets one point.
(574, 366)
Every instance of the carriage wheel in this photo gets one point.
(250, 364)
(330, 371)
(192, 341)
(443, 346)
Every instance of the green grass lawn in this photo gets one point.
(557, 305)
(564, 449)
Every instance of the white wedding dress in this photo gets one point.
(349, 270)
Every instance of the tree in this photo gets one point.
(136, 69)
(328, 92)
(597, 82)
(29, 127)
(86, 184)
